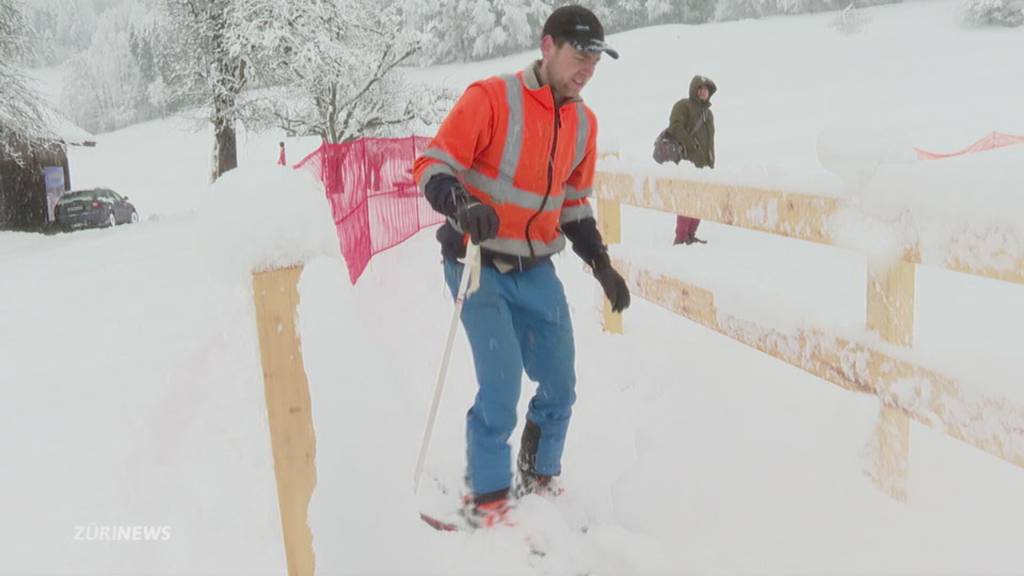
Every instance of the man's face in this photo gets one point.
(703, 93)
(568, 69)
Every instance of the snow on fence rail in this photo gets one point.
(904, 389)
(799, 216)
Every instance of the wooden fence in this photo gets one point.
(933, 399)
(905, 390)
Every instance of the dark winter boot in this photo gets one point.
(530, 482)
(692, 238)
(487, 510)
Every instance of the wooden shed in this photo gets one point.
(33, 177)
(29, 182)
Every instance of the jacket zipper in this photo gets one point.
(551, 171)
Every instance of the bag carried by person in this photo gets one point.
(666, 149)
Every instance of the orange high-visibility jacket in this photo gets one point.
(511, 149)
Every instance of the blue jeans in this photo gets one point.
(515, 321)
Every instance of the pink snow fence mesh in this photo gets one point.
(990, 142)
(372, 193)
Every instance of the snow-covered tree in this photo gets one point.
(22, 117)
(103, 85)
(738, 9)
(801, 6)
(210, 67)
(617, 15)
(331, 68)
(122, 77)
(680, 11)
(62, 28)
(994, 12)
(741, 9)
(461, 30)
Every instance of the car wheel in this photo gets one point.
(135, 217)
(112, 219)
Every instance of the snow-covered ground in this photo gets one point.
(132, 393)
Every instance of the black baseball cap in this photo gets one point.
(579, 27)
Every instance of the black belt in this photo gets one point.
(506, 263)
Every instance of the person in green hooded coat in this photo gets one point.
(692, 129)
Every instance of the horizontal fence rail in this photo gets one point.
(799, 216)
(870, 365)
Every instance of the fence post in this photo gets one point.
(891, 315)
(292, 436)
(609, 222)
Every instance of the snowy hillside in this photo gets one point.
(131, 392)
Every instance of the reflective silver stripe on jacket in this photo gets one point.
(432, 170)
(572, 193)
(442, 156)
(582, 134)
(502, 191)
(516, 247)
(514, 131)
(576, 213)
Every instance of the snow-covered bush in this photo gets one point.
(850, 20)
(994, 12)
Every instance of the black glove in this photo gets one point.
(477, 219)
(612, 282)
(447, 196)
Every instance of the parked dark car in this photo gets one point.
(97, 208)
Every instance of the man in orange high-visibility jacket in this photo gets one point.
(511, 167)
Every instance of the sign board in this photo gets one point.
(54, 177)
